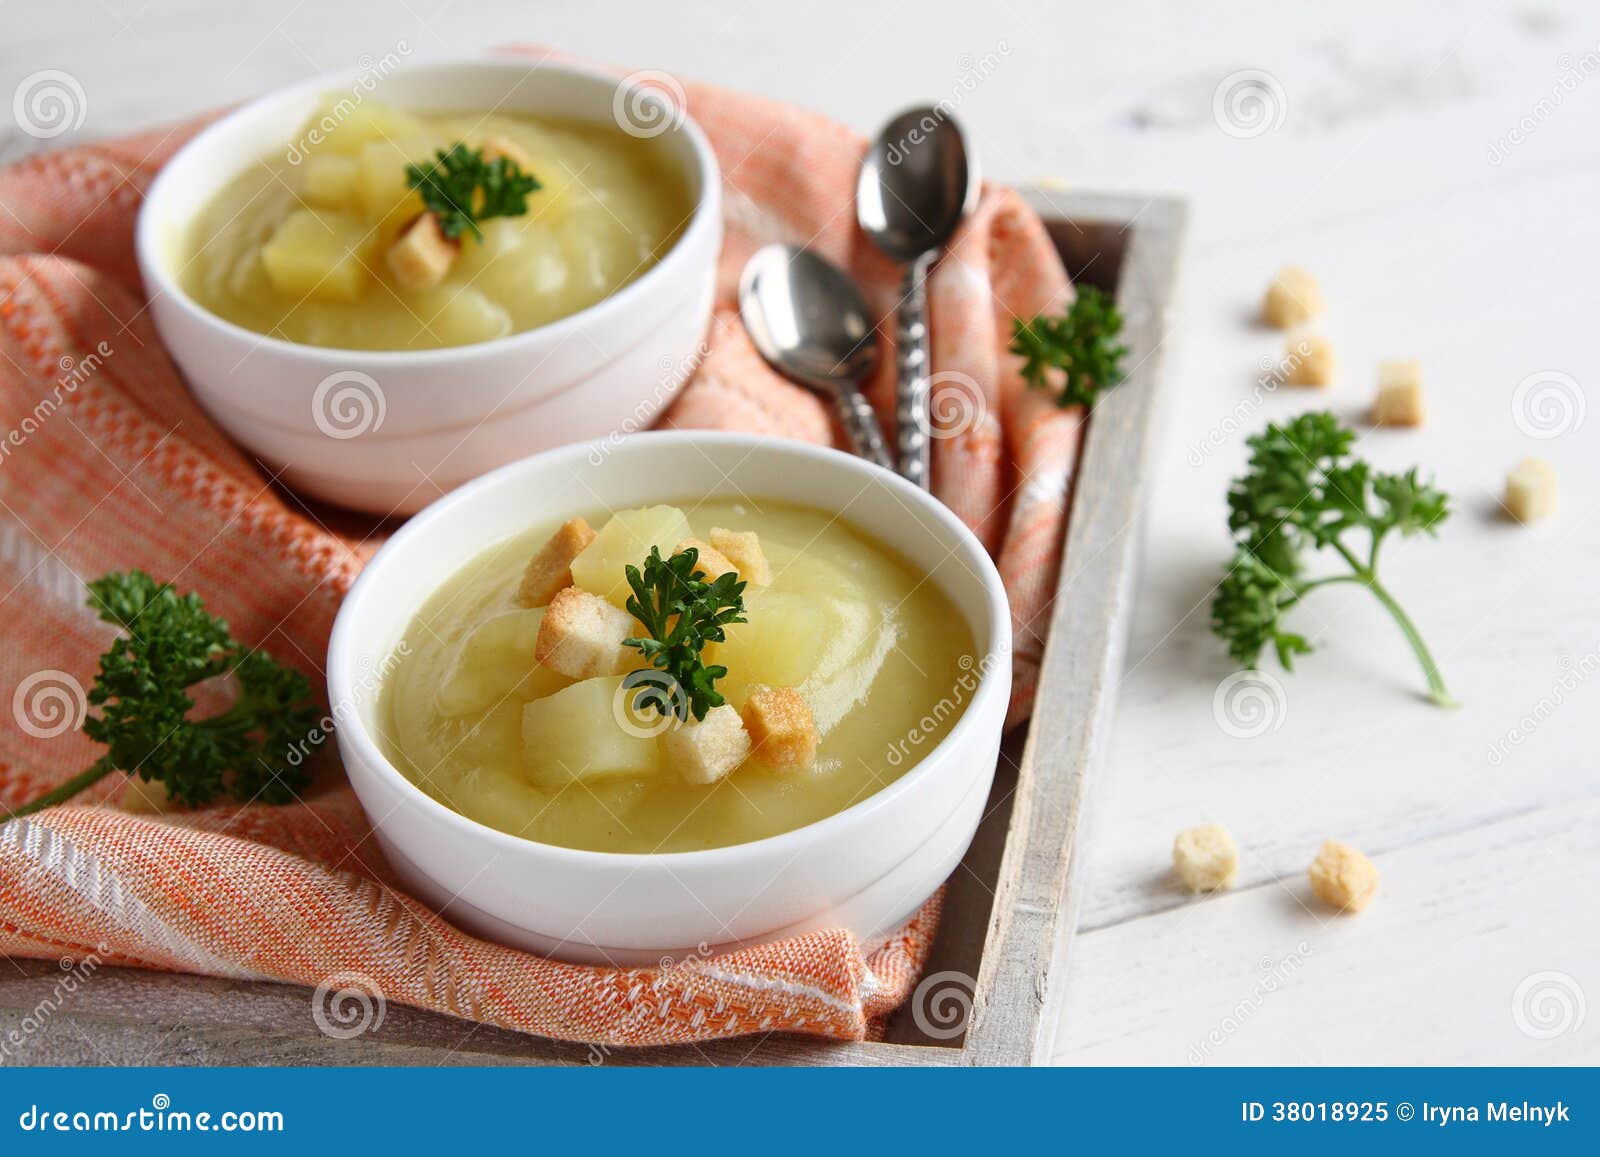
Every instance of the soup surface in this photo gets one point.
(880, 655)
(298, 245)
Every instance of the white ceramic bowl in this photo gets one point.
(867, 869)
(389, 432)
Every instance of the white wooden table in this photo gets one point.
(1438, 166)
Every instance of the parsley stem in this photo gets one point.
(96, 771)
(1437, 691)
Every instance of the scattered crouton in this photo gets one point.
(581, 636)
(743, 549)
(1530, 490)
(146, 797)
(497, 145)
(1205, 858)
(712, 562)
(1343, 878)
(422, 254)
(781, 728)
(1399, 401)
(1311, 360)
(1293, 298)
(704, 751)
(551, 569)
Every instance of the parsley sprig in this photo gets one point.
(170, 643)
(460, 188)
(683, 612)
(1305, 491)
(1078, 350)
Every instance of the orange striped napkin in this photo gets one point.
(106, 463)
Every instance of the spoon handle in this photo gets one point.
(861, 424)
(911, 361)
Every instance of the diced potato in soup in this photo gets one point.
(877, 656)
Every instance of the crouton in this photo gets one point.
(743, 549)
(146, 797)
(1399, 401)
(1205, 858)
(1530, 490)
(712, 562)
(704, 751)
(1343, 878)
(581, 636)
(1310, 360)
(1293, 298)
(497, 145)
(551, 569)
(782, 731)
(422, 254)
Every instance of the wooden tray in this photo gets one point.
(992, 991)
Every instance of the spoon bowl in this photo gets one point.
(917, 181)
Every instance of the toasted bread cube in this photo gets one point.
(581, 636)
(782, 731)
(1343, 878)
(1399, 401)
(1293, 298)
(711, 561)
(499, 145)
(422, 255)
(1205, 858)
(704, 751)
(551, 569)
(743, 549)
(1530, 490)
(146, 797)
(1311, 360)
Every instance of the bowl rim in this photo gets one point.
(159, 282)
(342, 660)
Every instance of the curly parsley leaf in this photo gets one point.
(461, 189)
(682, 611)
(1305, 491)
(1077, 354)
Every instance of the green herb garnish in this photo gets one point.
(460, 188)
(253, 750)
(683, 612)
(1303, 492)
(1080, 347)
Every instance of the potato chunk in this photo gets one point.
(575, 735)
(1293, 298)
(319, 253)
(1399, 401)
(581, 636)
(743, 549)
(496, 661)
(1205, 858)
(704, 751)
(1310, 360)
(331, 181)
(625, 540)
(1343, 878)
(1530, 490)
(551, 569)
(782, 731)
(422, 255)
(343, 123)
(779, 643)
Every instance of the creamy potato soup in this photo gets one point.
(386, 230)
(529, 695)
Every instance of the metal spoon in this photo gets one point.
(807, 318)
(918, 180)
